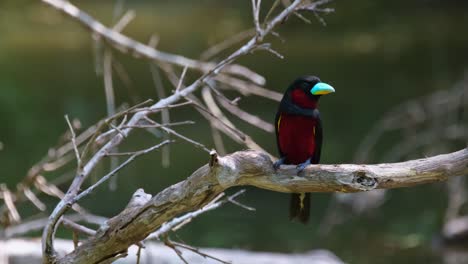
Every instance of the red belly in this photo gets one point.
(296, 137)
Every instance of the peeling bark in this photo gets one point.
(27, 251)
(254, 168)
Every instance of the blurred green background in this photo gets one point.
(377, 54)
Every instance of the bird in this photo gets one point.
(299, 134)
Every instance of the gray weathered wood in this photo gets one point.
(255, 168)
(28, 251)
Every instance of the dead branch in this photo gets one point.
(128, 45)
(247, 88)
(37, 224)
(12, 213)
(77, 227)
(255, 168)
(176, 223)
(199, 252)
(215, 49)
(165, 115)
(248, 117)
(28, 251)
(56, 158)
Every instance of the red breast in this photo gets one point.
(296, 137)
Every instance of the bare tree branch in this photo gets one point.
(34, 199)
(75, 147)
(125, 20)
(215, 49)
(124, 43)
(248, 117)
(25, 251)
(114, 171)
(77, 227)
(178, 222)
(108, 82)
(256, 13)
(255, 168)
(181, 79)
(199, 252)
(128, 45)
(165, 115)
(12, 213)
(38, 224)
(247, 88)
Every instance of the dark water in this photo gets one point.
(376, 54)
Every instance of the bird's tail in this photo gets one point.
(299, 208)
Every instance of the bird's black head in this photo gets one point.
(305, 91)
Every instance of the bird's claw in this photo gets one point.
(303, 165)
(278, 163)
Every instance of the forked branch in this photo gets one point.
(125, 43)
(255, 168)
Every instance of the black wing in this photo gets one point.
(318, 141)
(277, 121)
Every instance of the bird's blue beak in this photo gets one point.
(321, 89)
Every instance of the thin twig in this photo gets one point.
(249, 208)
(124, 21)
(75, 239)
(256, 12)
(139, 48)
(218, 140)
(215, 111)
(56, 164)
(165, 115)
(73, 140)
(267, 47)
(189, 122)
(158, 109)
(110, 102)
(191, 141)
(105, 123)
(221, 95)
(124, 77)
(247, 117)
(138, 254)
(216, 49)
(131, 152)
(14, 216)
(77, 227)
(113, 172)
(197, 251)
(169, 243)
(28, 226)
(128, 45)
(34, 199)
(181, 79)
(272, 8)
(248, 88)
(234, 133)
(178, 222)
(108, 85)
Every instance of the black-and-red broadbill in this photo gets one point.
(299, 133)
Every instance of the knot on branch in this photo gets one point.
(360, 180)
(213, 158)
(367, 182)
(139, 198)
(227, 171)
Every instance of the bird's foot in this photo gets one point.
(279, 162)
(303, 165)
